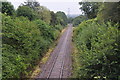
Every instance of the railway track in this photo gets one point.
(59, 63)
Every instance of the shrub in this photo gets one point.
(24, 42)
(21, 45)
(59, 27)
(98, 53)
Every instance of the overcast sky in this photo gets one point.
(55, 5)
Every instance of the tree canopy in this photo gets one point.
(31, 3)
(54, 19)
(62, 17)
(43, 14)
(7, 8)
(79, 19)
(109, 12)
(89, 8)
(26, 12)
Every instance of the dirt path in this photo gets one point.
(59, 63)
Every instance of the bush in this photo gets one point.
(98, 53)
(24, 42)
(109, 12)
(77, 20)
(58, 27)
(26, 12)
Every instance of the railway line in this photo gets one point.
(59, 62)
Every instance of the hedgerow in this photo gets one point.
(98, 51)
(23, 43)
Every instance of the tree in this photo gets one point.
(43, 14)
(77, 20)
(54, 20)
(90, 9)
(26, 12)
(7, 8)
(109, 12)
(31, 3)
(62, 18)
(70, 19)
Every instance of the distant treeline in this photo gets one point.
(33, 10)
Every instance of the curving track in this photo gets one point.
(59, 63)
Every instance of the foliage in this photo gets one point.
(24, 42)
(32, 4)
(46, 30)
(89, 8)
(39, 12)
(59, 27)
(56, 31)
(62, 18)
(0, 6)
(26, 12)
(43, 14)
(54, 20)
(98, 55)
(109, 12)
(8, 8)
(70, 20)
(77, 20)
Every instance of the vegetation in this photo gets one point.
(28, 32)
(98, 51)
(70, 20)
(31, 3)
(77, 20)
(109, 12)
(43, 14)
(7, 8)
(62, 18)
(24, 43)
(26, 36)
(26, 12)
(90, 9)
(54, 20)
(97, 44)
